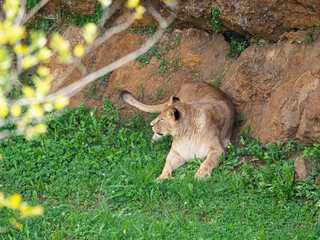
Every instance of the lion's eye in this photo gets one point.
(161, 119)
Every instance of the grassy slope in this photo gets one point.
(95, 176)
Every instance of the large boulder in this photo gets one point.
(276, 89)
(269, 19)
(303, 168)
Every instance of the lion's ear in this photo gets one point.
(174, 99)
(174, 113)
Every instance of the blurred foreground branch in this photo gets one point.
(29, 111)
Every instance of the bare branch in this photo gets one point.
(34, 11)
(21, 12)
(109, 12)
(109, 33)
(75, 87)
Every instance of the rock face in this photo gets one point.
(51, 9)
(276, 89)
(268, 19)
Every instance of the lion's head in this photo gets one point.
(166, 123)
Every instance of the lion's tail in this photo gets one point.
(128, 98)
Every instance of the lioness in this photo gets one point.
(200, 119)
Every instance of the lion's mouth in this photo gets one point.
(160, 134)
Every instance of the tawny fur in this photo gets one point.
(200, 118)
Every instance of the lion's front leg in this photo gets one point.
(173, 161)
(212, 160)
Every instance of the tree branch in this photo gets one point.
(34, 10)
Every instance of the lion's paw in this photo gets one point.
(166, 175)
(201, 174)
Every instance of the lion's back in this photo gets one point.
(200, 92)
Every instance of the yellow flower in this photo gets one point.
(140, 9)
(3, 108)
(89, 33)
(29, 61)
(27, 211)
(3, 37)
(138, 15)
(23, 206)
(26, 119)
(15, 110)
(38, 39)
(0, 160)
(28, 92)
(105, 3)
(5, 61)
(43, 86)
(3, 112)
(48, 78)
(43, 71)
(90, 28)
(30, 133)
(36, 111)
(15, 224)
(78, 50)
(44, 54)
(20, 49)
(139, 12)
(14, 201)
(132, 3)
(40, 128)
(61, 102)
(61, 46)
(47, 107)
(11, 8)
(15, 33)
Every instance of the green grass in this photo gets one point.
(97, 88)
(237, 43)
(32, 3)
(312, 36)
(215, 22)
(95, 175)
(149, 31)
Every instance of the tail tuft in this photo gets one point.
(124, 94)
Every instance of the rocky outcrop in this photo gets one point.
(276, 89)
(268, 19)
(51, 9)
